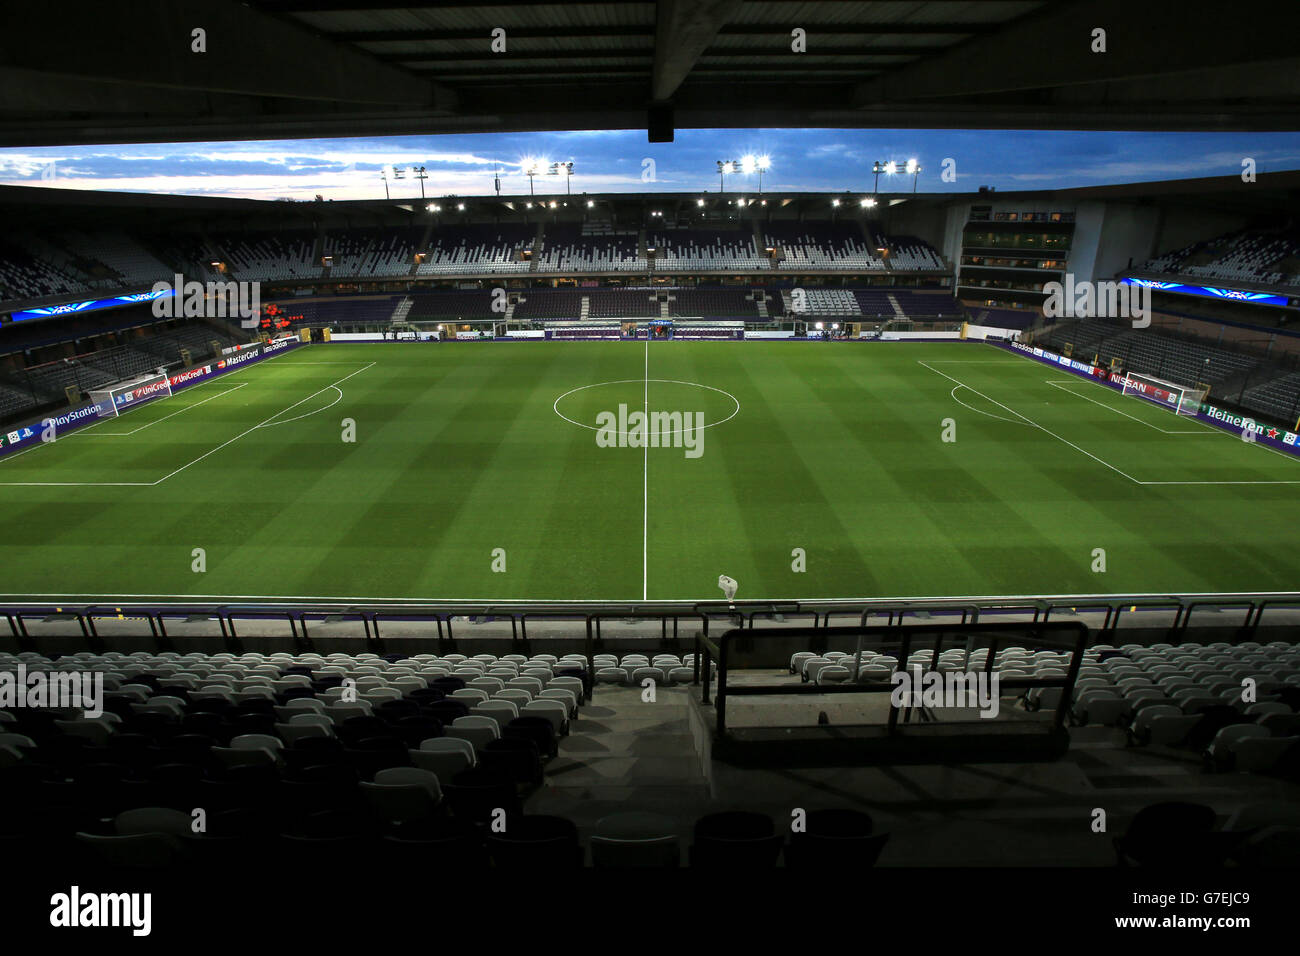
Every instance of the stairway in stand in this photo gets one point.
(624, 754)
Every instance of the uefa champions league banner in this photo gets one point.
(1274, 437)
(25, 436)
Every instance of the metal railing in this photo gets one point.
(17, 609)
(900, 641)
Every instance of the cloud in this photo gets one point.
(610, 161)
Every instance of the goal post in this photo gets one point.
(1179, 399)
(111, 402)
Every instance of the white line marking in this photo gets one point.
(1184, 431)
(148, 484)
(645, 480)
(953, 393)
(1034, 424)
(1280, 481)
(1203, 428)
(555, 406)
(298, 418)
(173, 414)
(85, 429)
(21, 453)
(1209, 429)
(78, 484)
(259, 425)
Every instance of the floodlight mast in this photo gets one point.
(889, 167)
(531, 168)
(567, 169)
(725, 166)
(747, 164)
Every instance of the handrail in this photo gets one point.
(647, 608)
(1074, 637)
(18, 609)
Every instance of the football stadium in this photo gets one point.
(571, 528)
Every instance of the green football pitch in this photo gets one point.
(476, 473)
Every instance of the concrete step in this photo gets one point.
(608, 770)
(584, 744)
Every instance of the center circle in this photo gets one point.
(712, 401)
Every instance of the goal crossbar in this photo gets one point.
(1179, 399)
(112, 401)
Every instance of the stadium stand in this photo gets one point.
(622, 303)
(822, 245)
(1151, 351)
(836, 303)
(372, 252)
(714, 303)
(907, 303)
(908, 253)
(549, 304)
(432, 743)
(450, 306)
(112, 345)
(17, 398)
(478, 248)
(24, 275)
(1277, 399)
(1247, 256)
(589, 247)
(340, 310)
(129, 262)
(286, 255)
(691, 248)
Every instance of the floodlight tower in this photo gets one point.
(888, 167)
(725, 167)
(531, 168)
(756, 164)
(567, 170)
(421, 175)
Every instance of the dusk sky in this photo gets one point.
(612, 161)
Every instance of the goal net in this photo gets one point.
(111, 402)
(1179, 399)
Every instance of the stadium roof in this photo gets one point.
(82, 71)
(1271, 195)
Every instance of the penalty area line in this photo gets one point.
(1031, 422)
(1119, 411)
(133, 431)
(261, 423)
